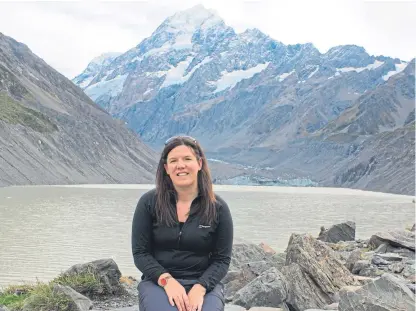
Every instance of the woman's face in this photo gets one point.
(182, 166)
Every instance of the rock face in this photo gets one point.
(303, 291)
(315, 273)
(269, 289)
(401, 238)
(248, 262)
(319, 262)
(106, 271)
(52, 133)
(384, 293)
(340, 232)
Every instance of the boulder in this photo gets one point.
(397, 238)
(248, 262)
(267, 290)
(245, 252)
(106, 272)
(379, 261)
(397, 267)
(235, 280)
(384, 293)
(354, 256)
(382, 248)
(339, 232)
(230, 307)
(332, 306)
(319, 262)
(303, 291)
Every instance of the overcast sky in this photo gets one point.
(67, 35)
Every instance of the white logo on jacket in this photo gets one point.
(202, 226)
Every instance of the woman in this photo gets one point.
(182, 234)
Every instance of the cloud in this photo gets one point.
(67, 35)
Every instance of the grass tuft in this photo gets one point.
(87, 283)
(42, 296)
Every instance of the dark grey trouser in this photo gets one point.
(153, 297)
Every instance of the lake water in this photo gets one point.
(46, 229)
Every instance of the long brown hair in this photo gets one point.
(165, 212)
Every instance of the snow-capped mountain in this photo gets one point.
(243, 95)
(93, 69)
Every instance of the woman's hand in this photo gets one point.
(196, 297)
(177, 295)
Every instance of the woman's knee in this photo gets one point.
(214, 300)
(153, 298)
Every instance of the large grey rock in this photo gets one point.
(106, 272)
(248, 262)
(267, 290)
(235, 280)
(332, 306)
(76, 301)
(382, 248)
(391, 257)
(354, 256)
(319, 262)
(339, 232)
(379, 261)
(385, 293)
(231, 307)
(399, 238)
(303, 291)
(245, 252)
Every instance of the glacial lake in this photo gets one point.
(44, 230)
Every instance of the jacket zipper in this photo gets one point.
(183, 226)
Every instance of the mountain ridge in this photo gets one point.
(52, 133)
(249, 98)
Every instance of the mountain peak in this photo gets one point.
(191, 19)
(347, 49)
(254, 32)
(99, 60)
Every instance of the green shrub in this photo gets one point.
(42, 296)
(45, 298)
(85, 283)
(13, 112)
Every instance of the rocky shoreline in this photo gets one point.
(333, 271)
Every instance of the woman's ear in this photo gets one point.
(166, 169)
(200, 164)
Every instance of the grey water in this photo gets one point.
(44, 230)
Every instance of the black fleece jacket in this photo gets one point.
(196, 251)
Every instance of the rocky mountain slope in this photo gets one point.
(253, 100)
(52, 133)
